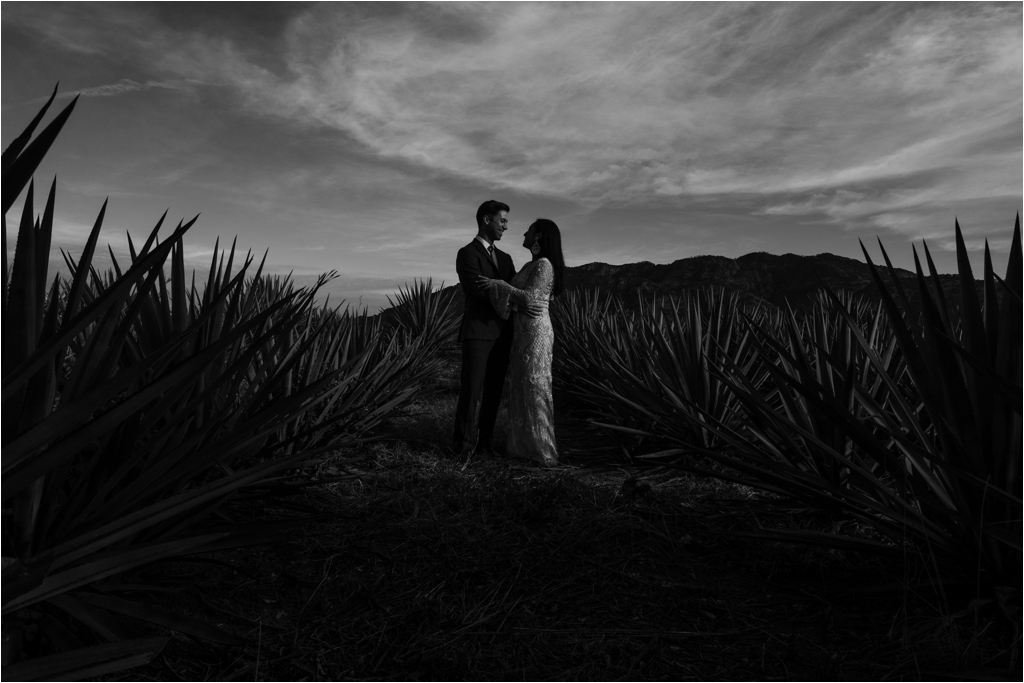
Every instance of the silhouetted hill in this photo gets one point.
(756, 277)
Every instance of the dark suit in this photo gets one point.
(486, 343)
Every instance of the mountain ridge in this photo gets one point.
(756, 277)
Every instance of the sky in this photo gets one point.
(361, 137)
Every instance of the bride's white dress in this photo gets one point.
(531, 431)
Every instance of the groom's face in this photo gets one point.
(495, 225)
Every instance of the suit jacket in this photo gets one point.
(480, 320)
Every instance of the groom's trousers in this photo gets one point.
(484, 364)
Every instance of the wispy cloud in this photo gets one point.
(618, 104)
(615, 101)
(121, 87)
(977, 245)
(625, 103)
(127, 85)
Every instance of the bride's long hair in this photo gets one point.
(550, 242)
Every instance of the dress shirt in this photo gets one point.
(489, 248)
(494, 260)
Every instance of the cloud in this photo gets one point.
(121, 87)
(615, 103)
(126, 85)
(848, 117)
(563, 100)
(978, 245)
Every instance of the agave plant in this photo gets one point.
(635, 369)
(108, 463)
(932, 440)
(393, 369)
(137, 408)
(911, 427)
(963, 441)
(792, 432)
(592, 331)
(424, 312)
(402, 355)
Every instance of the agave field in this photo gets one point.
(909, 426)
(147, 415)
(142, 414)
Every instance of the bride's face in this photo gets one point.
(529, 237)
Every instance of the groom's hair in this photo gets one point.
(489, 208)
(550, 242)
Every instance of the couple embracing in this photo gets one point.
(506, 330)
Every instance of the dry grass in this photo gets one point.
(428, 569)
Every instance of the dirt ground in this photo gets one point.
(427, 567)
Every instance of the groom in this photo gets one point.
(486, 338)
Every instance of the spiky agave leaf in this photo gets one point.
(21, 158)
(89, 662)
(424, 312)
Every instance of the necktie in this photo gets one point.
(494, 258)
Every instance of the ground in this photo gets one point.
(427, 567)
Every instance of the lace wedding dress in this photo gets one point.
(531, 430)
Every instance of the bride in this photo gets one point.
(531, 432)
